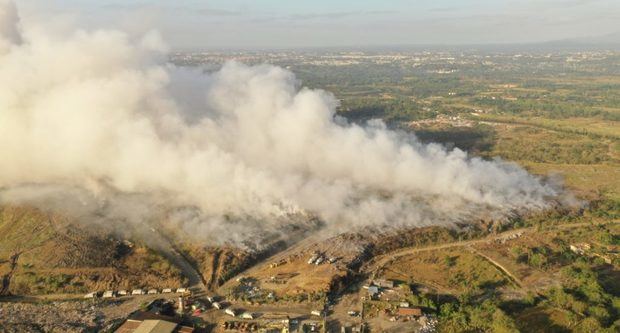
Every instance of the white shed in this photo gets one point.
(91, 295)
(247, 315)
(137, 292)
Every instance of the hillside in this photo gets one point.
(43, 252)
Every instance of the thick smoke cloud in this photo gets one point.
(103, 112)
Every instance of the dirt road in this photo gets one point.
(381, 261)
(161, 243)
(499, 266)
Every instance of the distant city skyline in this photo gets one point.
(246, 24)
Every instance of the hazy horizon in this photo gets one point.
(277, 24)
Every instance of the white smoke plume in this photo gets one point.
(103, 111)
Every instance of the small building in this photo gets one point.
(181, 305)
(230, 312)
(409, 312)
(146, 322)
(94, 294)
(357, 329)
(109, 294)
(313, 258)
(137, 292)
(166, 291)
(211, 299)
(217, 305)
(373, 292)
(580, 248)
(317, 313)
(152, 292)
(403, 305)
(278, 263)
(247, 315)
(181, 290)
(122, 293)
(384, 283)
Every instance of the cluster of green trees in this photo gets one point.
(554, 109)
(425, 301)
(549, 151)
(588, 306)
(390, 110)
(592, 307)
(468, 315)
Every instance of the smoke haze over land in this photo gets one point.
(103, 114)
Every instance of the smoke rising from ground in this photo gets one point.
(101, 111)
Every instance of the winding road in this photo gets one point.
(378, 263)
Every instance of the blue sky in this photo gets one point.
(299, 23)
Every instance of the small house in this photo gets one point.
(166, 291)
(122, 293)
(217, 305)
(152, 292)
(247, 315)
(137, 292)
(109, 294)
(230, 312)
(181, 290)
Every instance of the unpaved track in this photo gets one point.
(497, 265)
(161, 243)
(381, 261)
